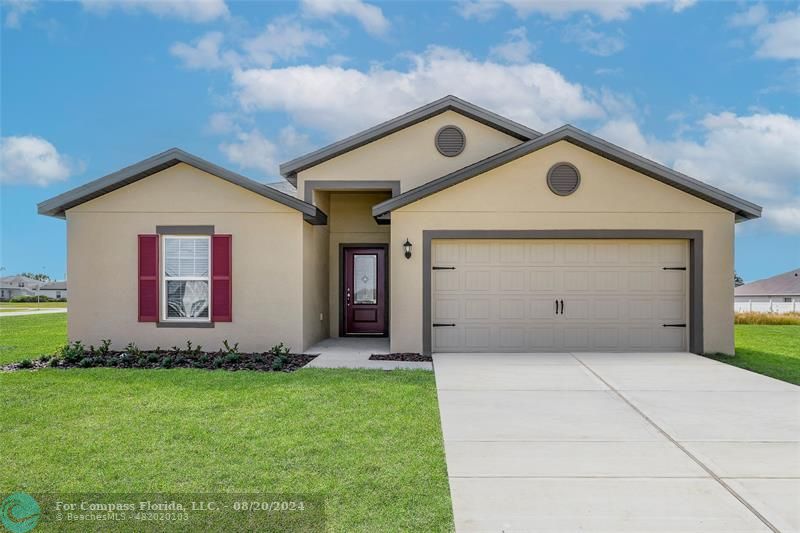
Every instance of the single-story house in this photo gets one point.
(447, 229)
(16, 286)
(779, 293)
(54, 289)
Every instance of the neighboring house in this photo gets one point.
(778, 294)
(16, 286)
(54, 289)
(449, 229)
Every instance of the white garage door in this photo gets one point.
(559, 295)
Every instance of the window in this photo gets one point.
(365, 268)
(186, 280)
(58, 294)
(788, 300)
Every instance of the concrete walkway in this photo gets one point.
(354, 352)
(618, 443)
(26, 311)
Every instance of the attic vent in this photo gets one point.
(563, 179)
(450, 141)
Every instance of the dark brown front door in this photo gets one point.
(364, 291)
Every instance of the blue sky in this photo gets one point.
(712, 89)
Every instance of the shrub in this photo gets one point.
(166, 362)
(26, 363)
(768, 319)
(72, 353)
(279, 350)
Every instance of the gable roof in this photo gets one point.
(449, 103)
(743, 209)
(787, 283)
(56, 206)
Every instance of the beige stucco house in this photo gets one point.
(448, 229)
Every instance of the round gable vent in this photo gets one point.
(563, 179)
(450, 141)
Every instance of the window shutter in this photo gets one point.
(221, 279)
(148, 278)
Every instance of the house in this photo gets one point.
(54, 289)
(778, 294)
(448, 229)
(16, 286)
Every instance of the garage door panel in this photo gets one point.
(543, 281)
(617, 295)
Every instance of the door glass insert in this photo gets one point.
(365, 269)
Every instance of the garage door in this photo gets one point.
(559, 295)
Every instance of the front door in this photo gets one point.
(364, 291)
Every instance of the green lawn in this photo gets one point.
(367, 442)
(31, 336)
(770, 350)
(15, 306)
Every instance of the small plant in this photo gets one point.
(54, 361)
(26, 363)
(86, 362)
(280, 350)
(72, 353)
(133, 350)
(105, 347)
(166, 362)
(280, 353)
(229, 348)
(231, 358)
(217, 362)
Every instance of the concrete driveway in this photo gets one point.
(633, 442)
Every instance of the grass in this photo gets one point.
(15, 306)
(31, 336)
(367, 442)
(770, 350)
(768, 319)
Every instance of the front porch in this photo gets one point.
(354, 352)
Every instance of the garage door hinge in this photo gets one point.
(443, 268)
(674, 325)
(436, 325)
(673, 268)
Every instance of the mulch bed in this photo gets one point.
(221, 360)
(402, 356)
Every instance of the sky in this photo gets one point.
(711, 89)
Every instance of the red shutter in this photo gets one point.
(221, 279)
(148, 278)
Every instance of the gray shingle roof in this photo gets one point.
(786, 284)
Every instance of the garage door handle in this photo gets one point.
(437, 325)
(562, 307)
(673, 268)
(443, 268)
(674, 325)
(556, 305)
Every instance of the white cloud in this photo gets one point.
(592, 41)
(780, 39)
(188, 10)
(516, 49)
(370, 16)
(560, 9)
(205, 53)
(30, 160)
(324, 96)
(15, 10)
(754, 15)
(284, 39)
(222, 123)
(753, 156)
(252, 150)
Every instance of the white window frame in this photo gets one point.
(164, 279)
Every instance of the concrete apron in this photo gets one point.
(354, 352)
(633, 442)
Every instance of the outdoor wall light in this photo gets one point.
(407, 249)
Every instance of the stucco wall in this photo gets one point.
(267, 249)
(351, 222)
(410, 155)
(516, 196)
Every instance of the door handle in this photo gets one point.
(562, 307)
(556, 305)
